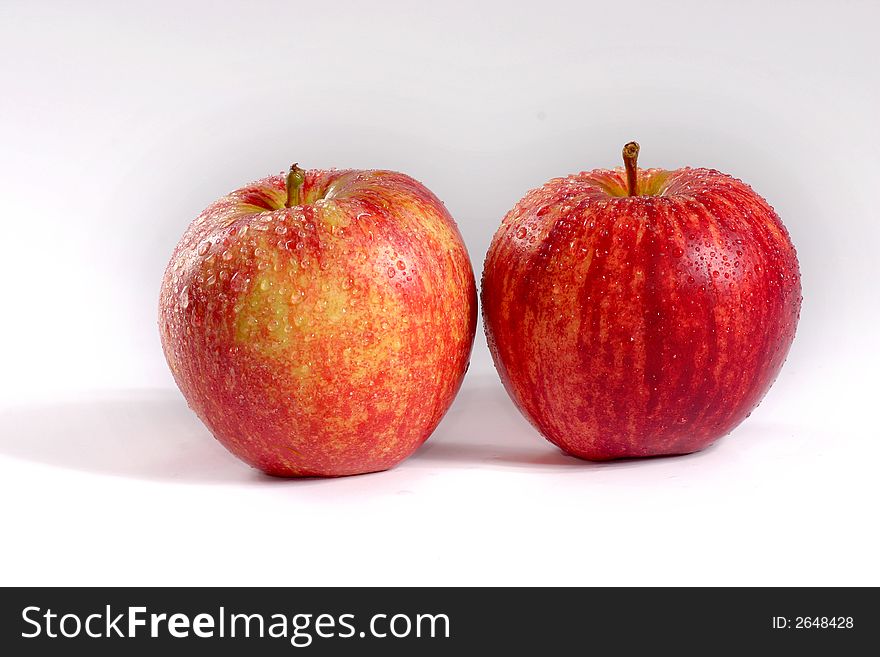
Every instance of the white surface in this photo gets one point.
(119, 124)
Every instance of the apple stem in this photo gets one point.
(630, 158)
(295, 179)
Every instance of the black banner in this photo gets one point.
(436, 621)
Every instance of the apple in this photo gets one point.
(640, 312)
(320, 323)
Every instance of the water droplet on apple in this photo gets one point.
(203, 247)
(238, 282)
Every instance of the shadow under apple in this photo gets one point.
(484, 429)
(152, 434)
(145, 434)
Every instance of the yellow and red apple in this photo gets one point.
(640, 312)
(320, 323)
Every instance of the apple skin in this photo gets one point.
(630, 326)
(324, 339)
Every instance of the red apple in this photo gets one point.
(320, 324)
(640, 312)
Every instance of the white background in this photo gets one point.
(119, 123)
